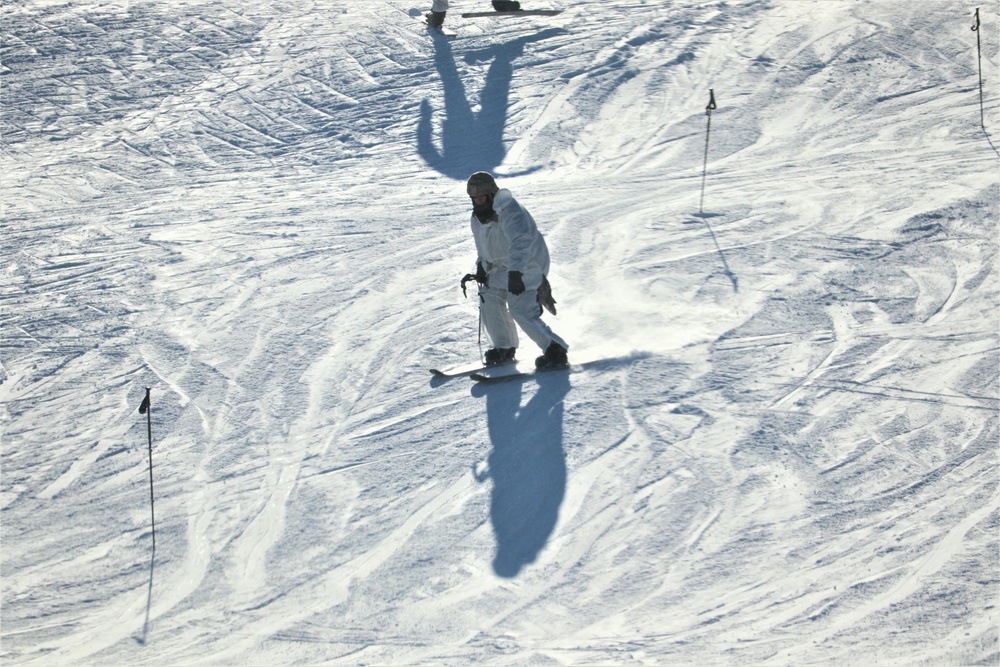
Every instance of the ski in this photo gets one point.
(519, 12)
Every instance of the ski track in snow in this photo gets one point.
(257, 210)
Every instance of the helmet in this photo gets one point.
(481, 183)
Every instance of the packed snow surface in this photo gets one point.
(786, 455)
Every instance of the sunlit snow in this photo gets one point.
(257, 210)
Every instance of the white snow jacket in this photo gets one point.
(511, 242)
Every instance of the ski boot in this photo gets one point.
(555, 357)
(499, 355)
(435, 19)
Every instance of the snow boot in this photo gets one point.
(555, 356)
(435, 19)
(499, 355)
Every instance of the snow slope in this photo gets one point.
(257, 210)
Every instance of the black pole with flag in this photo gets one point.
(146, 409)
(979, 51)
(708, 132)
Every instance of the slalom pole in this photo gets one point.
(979, 51)
(708, 131)
(146, 409)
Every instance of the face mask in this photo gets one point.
(484, 212)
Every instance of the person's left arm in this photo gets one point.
(518, 228)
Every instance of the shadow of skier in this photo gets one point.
(471, 141)
(528, 468)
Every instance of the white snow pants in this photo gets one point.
(439, 6)
(501, 310)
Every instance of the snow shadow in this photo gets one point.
(527, 466)
(149, 600)
(471, 141)
(722, 256)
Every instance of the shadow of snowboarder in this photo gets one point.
(528, 468)
(471, 141)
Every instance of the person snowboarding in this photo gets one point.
(439, 8)
(511, 267)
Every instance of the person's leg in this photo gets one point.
(497, 318)
(526, 312)
(436, 16)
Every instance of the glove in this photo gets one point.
(545, 299)
(515, 283)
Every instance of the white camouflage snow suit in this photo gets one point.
(512, 242)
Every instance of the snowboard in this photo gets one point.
(526, 372)
(506, 375)
(467, 369)
(519, 12)
(444, 32)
